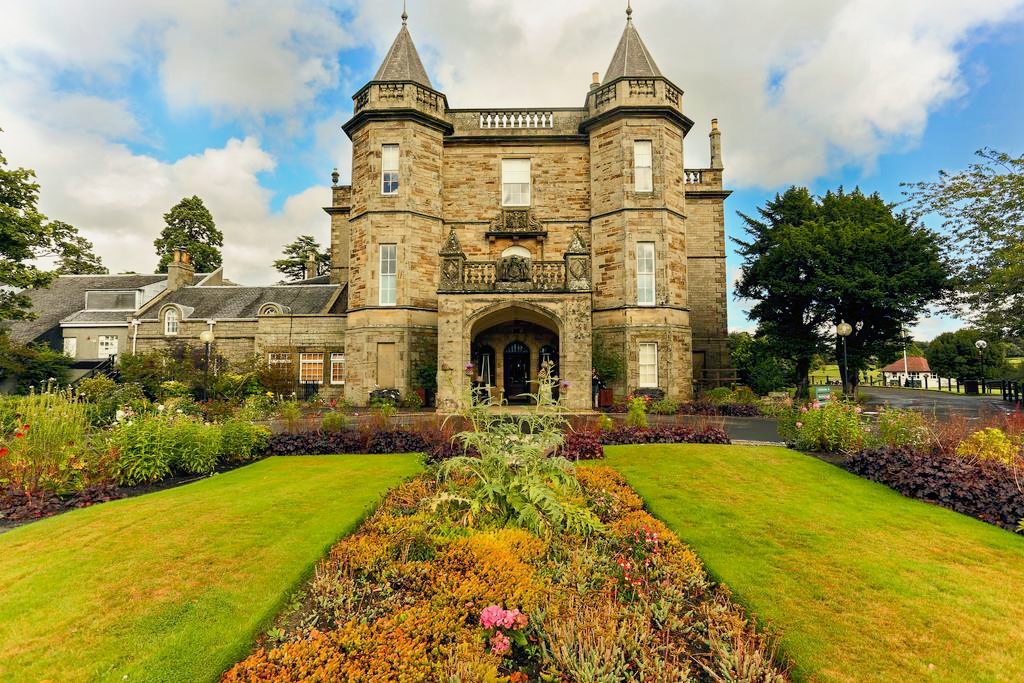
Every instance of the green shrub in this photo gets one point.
(637, 415)
(173, 389)
(336, 422)
(48, 448)
(989, 444)
(151, 446)
(258, 406)
(291, 413)
(33, 366)
(834, 427)
(105, 397)
(411, 401)
(665, 406)
(718, 395)
(901, 427)
(242, 441)
(605, 423)
(744, 395)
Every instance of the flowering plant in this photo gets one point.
(638, 563)
(504, 626)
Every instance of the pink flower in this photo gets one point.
(491, 616)
(799, 425)
(858, 410)
(500, 643)
(816, 404)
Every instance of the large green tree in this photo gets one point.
(26, 235)
(189, 224)
(295, 254)
(955, 354)
(75, 253)
(811, 263)
(982, 207)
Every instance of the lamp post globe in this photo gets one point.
(844, 330)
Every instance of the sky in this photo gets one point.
(123, 107)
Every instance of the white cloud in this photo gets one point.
(800, 87)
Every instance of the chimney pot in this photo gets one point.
(595, 80)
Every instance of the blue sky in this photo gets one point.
(124, 107)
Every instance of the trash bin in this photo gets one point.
(971, 387)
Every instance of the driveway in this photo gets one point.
(933, 402)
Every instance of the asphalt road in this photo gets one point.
(933, 402)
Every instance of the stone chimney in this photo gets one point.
(595, 81)
(716, 146)
(180, 270)
(311, 265)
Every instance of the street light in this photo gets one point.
(844, 330)
(206, 336)
(981, 345)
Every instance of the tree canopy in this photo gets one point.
(812, 262)
(27, 235)
(189, 224)
(295, 254)
(982, 207)
(954, 354)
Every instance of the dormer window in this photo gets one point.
(389, 169)
(515, 182)
(171, 322)
(270, 309)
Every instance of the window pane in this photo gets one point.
(389, 169)
(311, 368)
(337, 368)
(648, 358)
(643, 176)
(645, 273)
(515, 182)
(388, 274)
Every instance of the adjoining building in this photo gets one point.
(488, 241)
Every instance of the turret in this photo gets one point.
(716, 146)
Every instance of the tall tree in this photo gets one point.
(27, 235)
(189, 224)
(75, 253)
(844, 257)
(954, 354)
(779, 275)
(982, 207)
(296, 254)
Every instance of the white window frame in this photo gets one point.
(171, 320)
(312, 362)
(646, 281)
(649, 363)
(71, 347)
(279, 358)
(389, 160)
(337, 368)
(104, 340)
(643, 166)
(514, 191)
(388, 278)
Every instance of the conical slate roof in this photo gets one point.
(631, 58)
(403, 62)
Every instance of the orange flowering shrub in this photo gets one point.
(607, 492)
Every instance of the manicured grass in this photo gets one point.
(175, 585)
(865, 585)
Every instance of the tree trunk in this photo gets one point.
(803, 368)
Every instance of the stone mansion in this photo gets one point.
(484, 242)
(504, 238)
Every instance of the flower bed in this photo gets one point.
(982, 488)
(418, 594)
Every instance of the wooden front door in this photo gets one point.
(517, 372)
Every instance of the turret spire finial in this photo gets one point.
(405, 12)
(629, 10)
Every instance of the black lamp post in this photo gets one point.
(206, 336)
(981, 345)
(844, 330)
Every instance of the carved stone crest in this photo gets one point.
(516, 222)
(513, 269)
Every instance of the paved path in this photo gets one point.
(933, 402)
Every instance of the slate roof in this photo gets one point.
(65, 296)
(99, 317)
(631, 58)
(402, 62)
(914, 364)
(220, 303)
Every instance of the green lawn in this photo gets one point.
(175, 585)
(865, 585)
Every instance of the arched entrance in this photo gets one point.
(517, 372)
(507, 343)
